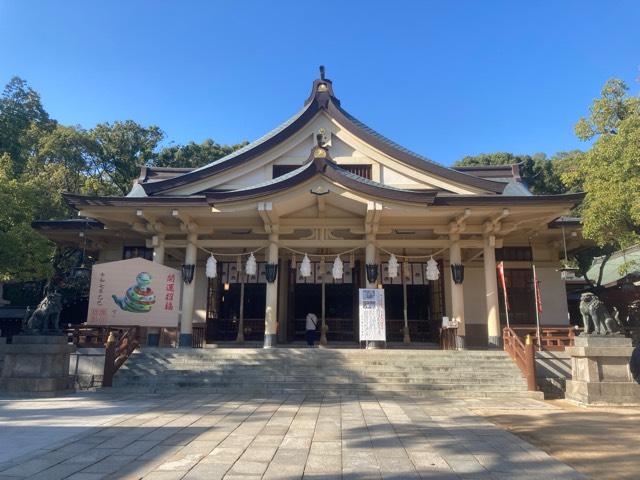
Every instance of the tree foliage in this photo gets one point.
(609, 173)
(193, 155)
(538, 172)
(40, 159)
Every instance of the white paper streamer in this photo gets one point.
(211, 270)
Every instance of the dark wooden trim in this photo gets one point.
(97, 201)
(572, 199)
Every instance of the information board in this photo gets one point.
(134, 292)
(372, 318)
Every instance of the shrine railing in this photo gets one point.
(523, 353)
(552, 338)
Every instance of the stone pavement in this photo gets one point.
(601, 442)
(290, 437)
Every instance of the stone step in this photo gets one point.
(320, 372)
(319, 382)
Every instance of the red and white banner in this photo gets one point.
(504, 284)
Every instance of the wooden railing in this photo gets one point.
(198, 335)
(552, 338)
(523, 353)
(117, 350)
(88, 337)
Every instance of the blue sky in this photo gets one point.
(446, 79)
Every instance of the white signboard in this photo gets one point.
(134, 292)
(372, 319)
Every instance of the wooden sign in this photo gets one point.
(134, 292)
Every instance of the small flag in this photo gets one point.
(504, 284)
(536, 287)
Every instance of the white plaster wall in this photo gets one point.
(390, 177)
(554, 297)
(475, 306)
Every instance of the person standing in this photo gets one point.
(312, 325)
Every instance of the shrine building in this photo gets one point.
(325, 185)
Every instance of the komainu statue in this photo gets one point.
(595, 313)
(46, 317)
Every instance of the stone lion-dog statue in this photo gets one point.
(46, 317)
(594, 312)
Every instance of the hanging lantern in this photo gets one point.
(372, 272)
(393, 266)
(305, 267)
(433, 273)
(211, 269)
(251, 267)
(457, 272)
(188, 271)
(271, 272)
(338, 268)
(293, 261)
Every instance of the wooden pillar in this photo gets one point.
(491, 292)
(188, 293)
(457, 291)
(153, 333)
(271, 308)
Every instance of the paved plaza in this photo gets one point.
(98, 435)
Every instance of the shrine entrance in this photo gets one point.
(236, 301)
(421, 299)
(340, 302)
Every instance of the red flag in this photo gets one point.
(504, 284)
(536, 287)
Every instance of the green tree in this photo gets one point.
(537, 171)
(609, 172)
(121, 149)
(194, 155)
(20, 111)
(24, 254)
(606, 112)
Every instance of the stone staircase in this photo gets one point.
(455, 374)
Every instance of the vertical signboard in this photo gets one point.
(372, 319)
(134, 292)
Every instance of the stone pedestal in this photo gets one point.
(600, 372)
(36, 364)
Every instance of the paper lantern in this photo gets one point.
(251, 267)
(305, 267)
(393, 266)
(338, 268)
(211, 270)
(432, 270)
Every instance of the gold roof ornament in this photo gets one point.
(320, 152)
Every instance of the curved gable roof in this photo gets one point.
(320, 163)
(322, 99)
